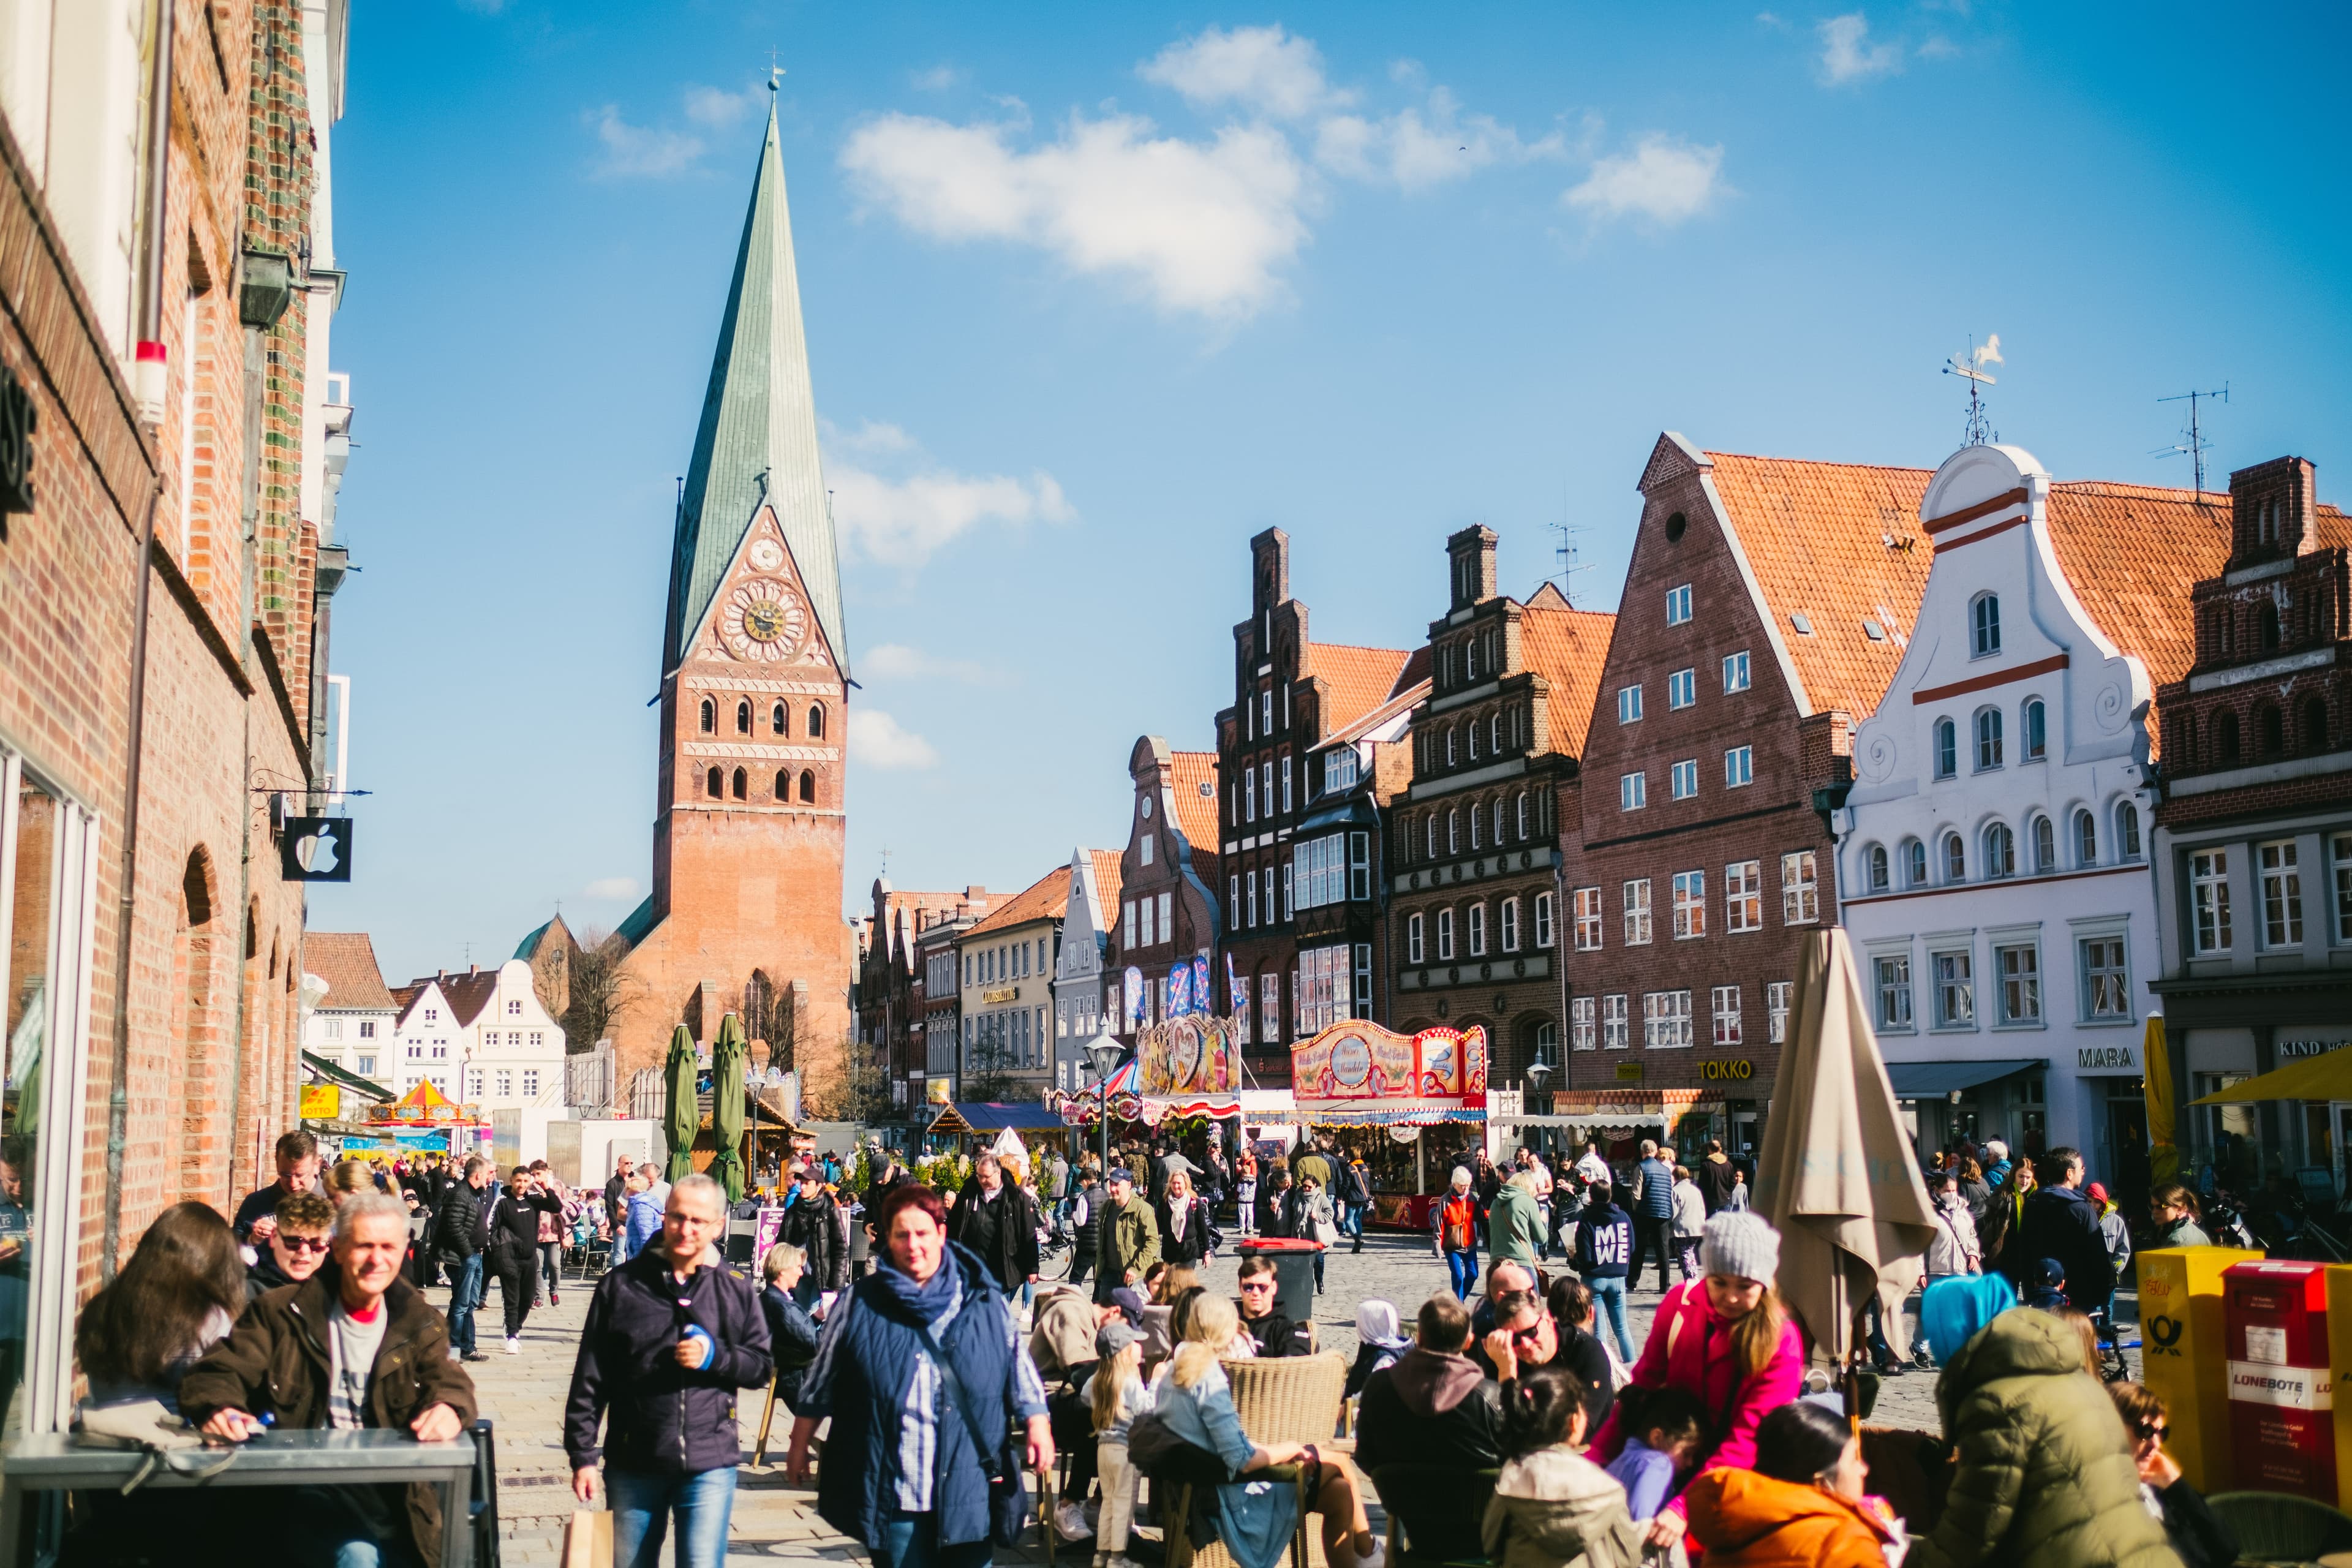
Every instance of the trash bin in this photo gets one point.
(1294, 1271)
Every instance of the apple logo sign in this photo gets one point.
(316, 850)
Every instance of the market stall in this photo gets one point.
(1418, 1101)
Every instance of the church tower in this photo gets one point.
(746, 909)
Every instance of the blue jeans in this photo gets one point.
(913, 1541)
(1352, 1224)
(643, 1502)
(1463, 1267)
(465, 1295)
(1608, 1292)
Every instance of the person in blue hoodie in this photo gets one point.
(641, 1218)
(1604, 1247)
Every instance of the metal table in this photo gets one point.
(51, 1462)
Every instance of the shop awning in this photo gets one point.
(2327, 1076)
(1934, 1081)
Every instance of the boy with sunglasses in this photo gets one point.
(295, 1248)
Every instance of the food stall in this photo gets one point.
(1418, 1103)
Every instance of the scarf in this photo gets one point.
(924, 1303)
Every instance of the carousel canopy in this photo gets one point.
(1356, 1074)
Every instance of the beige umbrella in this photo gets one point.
(1837, 1174)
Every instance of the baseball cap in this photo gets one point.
(1129, 1301)
(1122, 1173)
(1114, 1337)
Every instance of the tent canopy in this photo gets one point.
(988, 1116)
(1933, 1080)
(2327, 1076)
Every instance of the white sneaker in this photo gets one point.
(1123, 1561)
(514, 1346)
(1070, 1522)
(1377, 1557)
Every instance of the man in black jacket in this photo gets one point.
(457, 1242)
(813, 1224)
(1435, 1406)
(2062, 1223)
(998, 1221)
(1269, 1331)
(671, 1335)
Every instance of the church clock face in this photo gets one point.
(763, 622)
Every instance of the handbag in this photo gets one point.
(587, 1540)
(1157, 1451)
(1008, 1493)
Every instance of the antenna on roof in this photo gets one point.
(1567, 553)
(1971, 367)
(2192, 443)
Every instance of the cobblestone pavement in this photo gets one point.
(772, 1521)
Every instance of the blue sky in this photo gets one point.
(1094, 293)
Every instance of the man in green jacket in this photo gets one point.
(1128, 1241)
(1514, 1225)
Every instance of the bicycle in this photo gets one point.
(1054, 1253)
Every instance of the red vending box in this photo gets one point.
(2281, 1402)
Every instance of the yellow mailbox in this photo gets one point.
(2185, 1353)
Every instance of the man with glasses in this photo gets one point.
(296, 1246)
(1273, 1334)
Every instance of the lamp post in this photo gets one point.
(1539, 1074)
(1103, 1054)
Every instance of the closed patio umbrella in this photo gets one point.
(681, 1117)
(1837, 1174)
(2164, 1160)
(728, 1057)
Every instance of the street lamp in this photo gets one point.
(1539, 1074)
(1103, 1054)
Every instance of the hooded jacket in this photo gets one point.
(2063, 1223)
(2044, 1476)
(1556, 1508)
(814, 1227)
(1430, 1409)
(1743, 1519)
(1514, 1225)
(1713, 1178)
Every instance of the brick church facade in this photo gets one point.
(746, 914)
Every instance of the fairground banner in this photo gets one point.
(1190, 1066)
(1358, 1074)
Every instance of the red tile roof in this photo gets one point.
(1358, 680)
(1193, 782)
(346, 962)
(1406, 699)
(1107, 884)
(1044, 900)
(1568, 649)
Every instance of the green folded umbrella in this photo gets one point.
(683, 1118)
(728, 1056)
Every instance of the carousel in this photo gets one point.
(1410, 1106)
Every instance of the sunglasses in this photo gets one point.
(1257, 1285)
(2155, 1429)
(302, 1243)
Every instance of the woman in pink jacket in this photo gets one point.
(1726, 1338)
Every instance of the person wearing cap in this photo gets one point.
(1725, 1338)
(1128, 1241)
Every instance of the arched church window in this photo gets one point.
(816, 722)
(709, 717)
(780, 721)
(742, 785)
(808, 787)
(743, 717)
(712, 785)
(784, 783)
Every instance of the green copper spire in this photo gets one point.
(758, 439)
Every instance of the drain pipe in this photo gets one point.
(148, 385)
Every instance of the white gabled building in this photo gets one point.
(483, 1037)
(1992, 862)
(354, 1020)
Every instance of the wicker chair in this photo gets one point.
(1291, 1399)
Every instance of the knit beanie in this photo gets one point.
(1741, 1243)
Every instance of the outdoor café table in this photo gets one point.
(51, 1462)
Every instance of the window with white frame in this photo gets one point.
(1477, 929)
(1452, 831)
(1632, 792)
(2128, 830)
(2045, 844)
(2021, 983)
(1150, 929)
(1363, 980)
(1955, 858)
(1232, 903)
(474, 1084)
(1583, 1023)
(2106, 986)
(1143, 849)
(1738, 767)
(505, 1083)
(1286, 782)
(2034, 720)
(1946, 748)
(1249, 794)
(1265, 893)
(1684, 779)
(2340, 854)
(1616, 1022)
(1249, 892)
(1629, 704)
(1776, 998)
(1678, 605)
(531, 1083)
(1444, 935)
(1914, 863)
(1988, 732)
(1724, 1009)
(1877, 872)
(1893, 972)
(1412, 939)
(1508, 921)
(1588, 918)
(1801, 898)
(1735, 672)
(1690, 905)
(1543, 920)
(1637, 912)
(514, 1009)
(1984, 625)
(1339, 769)
(1269, 1008)
(2208, 894)
(1523, 817)
(1326, 977)
(2086, 839)
(2000, 851)
(1743, 896)
(1666, 1020)
(1956, 992)
(1682, 688)
(367, 1028)
(1320, 869)
(2282, 893)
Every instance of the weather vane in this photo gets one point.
(1971, 367)
(775, 71)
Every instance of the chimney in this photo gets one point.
(473, 969)
(1269, 572)
(2274, 512)
(1472, 553)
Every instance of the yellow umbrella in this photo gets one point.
(2326, 1077)
(1837, 1174)
(2163, 1158)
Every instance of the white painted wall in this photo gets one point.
(513, 1049)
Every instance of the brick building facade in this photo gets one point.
(1474, 856)
(2253, 832)
(889, 998)
(1767, 600)
(1166, 910)
(152, 356)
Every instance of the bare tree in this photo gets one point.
(603, 990)
(989, 1075)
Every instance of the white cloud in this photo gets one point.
(1664, 180)
(1418, 151)
(1203, 227)
(898, 506)
(640, 149)
(1848, 56)
(1264, 69)
(897, 661)
(938, 79)
(611, 888)
(718, 108)
(877, 740)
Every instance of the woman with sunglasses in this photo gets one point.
(2201, 1537)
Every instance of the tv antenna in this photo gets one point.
(2192, 444)
(1567, 553)
(1971, 367)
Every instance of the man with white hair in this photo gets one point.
(354, 1347)
(671, 1335)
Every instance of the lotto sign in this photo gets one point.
(2184, 1355)
(2282, 1393)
